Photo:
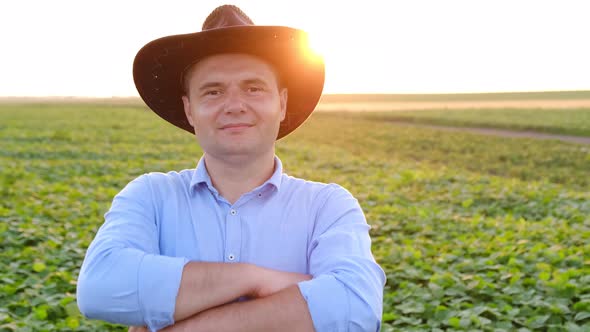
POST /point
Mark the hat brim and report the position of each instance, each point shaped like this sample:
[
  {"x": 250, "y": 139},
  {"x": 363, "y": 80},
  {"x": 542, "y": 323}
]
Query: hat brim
[{"x": 158, "y": 68}]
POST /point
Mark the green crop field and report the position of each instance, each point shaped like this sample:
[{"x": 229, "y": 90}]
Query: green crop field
[
  {"x": 474, "y": 232},
  {"x": 557, "y": 121}
]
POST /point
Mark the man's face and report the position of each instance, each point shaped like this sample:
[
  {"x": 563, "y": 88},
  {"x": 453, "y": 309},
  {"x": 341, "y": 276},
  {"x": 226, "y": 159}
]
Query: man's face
[{"x": 234, "y": 104}]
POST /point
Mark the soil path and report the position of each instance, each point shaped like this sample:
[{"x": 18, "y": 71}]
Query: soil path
[{"x": 504, "y": 132}]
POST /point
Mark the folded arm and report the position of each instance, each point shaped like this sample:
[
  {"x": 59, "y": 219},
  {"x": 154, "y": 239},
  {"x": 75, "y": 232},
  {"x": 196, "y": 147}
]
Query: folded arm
[
  {"x": 208, "y": 285},
  {"x": 285, "y": 310},
  {"x": 125, "y": 280},
  {"x": 346, "y": 292}
]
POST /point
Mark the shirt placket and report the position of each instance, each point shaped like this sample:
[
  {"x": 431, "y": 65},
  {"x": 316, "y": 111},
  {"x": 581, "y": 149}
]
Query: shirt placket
[{"x": 233, "y": 236}]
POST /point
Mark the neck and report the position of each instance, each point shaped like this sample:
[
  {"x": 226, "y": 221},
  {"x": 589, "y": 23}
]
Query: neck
[{"x": 235, "y": 176}]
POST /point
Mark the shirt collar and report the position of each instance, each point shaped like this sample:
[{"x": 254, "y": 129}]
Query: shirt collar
[
  {"x": 202, "y": 176},
  {"x": 277, "y": 175}
]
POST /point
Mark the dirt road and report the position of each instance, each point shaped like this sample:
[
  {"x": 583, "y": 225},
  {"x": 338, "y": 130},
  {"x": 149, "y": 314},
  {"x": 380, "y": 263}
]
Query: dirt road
[{"x": 504, "y": 132}]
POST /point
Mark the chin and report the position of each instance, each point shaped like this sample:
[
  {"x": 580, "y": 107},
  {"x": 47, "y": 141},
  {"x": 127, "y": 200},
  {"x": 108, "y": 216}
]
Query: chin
[{"x": 238, "y": 149}]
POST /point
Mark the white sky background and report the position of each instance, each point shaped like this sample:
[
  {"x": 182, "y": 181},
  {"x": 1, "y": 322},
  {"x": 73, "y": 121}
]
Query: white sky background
[{"x": 86, "y": 48}]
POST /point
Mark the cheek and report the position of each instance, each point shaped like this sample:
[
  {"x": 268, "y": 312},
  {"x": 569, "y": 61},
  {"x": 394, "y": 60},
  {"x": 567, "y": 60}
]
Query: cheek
[
  {"x": 204, "y": 122},
  {"x": 207, "y": 110},
  {"x": 270, "y": 108}
]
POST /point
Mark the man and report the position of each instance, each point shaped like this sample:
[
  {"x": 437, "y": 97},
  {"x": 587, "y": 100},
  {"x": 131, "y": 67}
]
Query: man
[{"x": 235, "y": 244}]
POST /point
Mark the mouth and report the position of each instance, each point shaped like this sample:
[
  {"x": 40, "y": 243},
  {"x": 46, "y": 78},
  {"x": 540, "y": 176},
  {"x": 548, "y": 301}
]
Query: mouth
[{"x": 236, "y": 126}]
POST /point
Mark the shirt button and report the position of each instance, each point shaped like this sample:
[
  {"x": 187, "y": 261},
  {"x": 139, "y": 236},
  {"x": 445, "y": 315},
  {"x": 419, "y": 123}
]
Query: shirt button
[
  {"x": 233, "y": 212},
  {"x": 231, "y": 257}
]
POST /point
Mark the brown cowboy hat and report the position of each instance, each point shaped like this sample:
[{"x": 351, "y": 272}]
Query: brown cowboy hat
[{"x": 159, "y": 66}]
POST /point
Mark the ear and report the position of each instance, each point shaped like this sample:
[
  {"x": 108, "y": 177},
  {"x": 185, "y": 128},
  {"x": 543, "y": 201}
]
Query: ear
[
  {"x": 187, "y": 110},
  {"x": 283, "y": 95}
]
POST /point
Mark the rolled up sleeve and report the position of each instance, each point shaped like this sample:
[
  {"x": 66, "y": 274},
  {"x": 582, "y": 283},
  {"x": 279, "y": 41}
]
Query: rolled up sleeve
[
  {"x": 346, "y": 292},
  {"x": 123, "y": 278}
]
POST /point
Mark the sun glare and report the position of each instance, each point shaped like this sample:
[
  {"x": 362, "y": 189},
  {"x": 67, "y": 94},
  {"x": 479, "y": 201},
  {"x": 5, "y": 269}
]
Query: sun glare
[
  {"x": 315, "y": 46},
  {"x": 413, "y": 47}
]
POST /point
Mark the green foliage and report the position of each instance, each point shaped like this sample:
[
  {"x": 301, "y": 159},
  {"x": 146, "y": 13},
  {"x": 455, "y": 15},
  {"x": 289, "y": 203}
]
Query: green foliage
[
  {"x": 557, "y": 121},
  {"x": 473, "y": 232}
]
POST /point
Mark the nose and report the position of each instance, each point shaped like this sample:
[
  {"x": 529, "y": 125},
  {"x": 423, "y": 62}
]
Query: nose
[{"x": 234, "y": 102}]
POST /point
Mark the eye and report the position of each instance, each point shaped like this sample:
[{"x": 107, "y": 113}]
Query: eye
[
  {"x": 255, "y": 89},
  {"x": 212, "y": 93}
]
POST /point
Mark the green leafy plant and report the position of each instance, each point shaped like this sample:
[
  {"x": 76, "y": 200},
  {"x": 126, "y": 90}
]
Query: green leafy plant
[{"x": 474, "y": 233}]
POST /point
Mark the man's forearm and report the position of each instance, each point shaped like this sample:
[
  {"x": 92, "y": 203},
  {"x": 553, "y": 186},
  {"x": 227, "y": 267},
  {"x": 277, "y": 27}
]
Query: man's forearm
[
  {"x": 285, "y": 310},
  {"x": 207, "y": 285}
]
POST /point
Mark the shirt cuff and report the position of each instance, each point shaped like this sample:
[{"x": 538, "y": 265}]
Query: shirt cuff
[
  {"x": 327, "y": 301},
  {"x": 159, "y": 280}
]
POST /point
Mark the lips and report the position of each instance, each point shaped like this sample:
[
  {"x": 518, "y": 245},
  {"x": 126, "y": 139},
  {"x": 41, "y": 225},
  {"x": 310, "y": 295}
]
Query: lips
[{"x": 236, "y": 125}]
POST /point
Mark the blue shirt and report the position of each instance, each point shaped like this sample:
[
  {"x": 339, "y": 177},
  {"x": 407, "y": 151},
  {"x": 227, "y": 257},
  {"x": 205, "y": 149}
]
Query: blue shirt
[{"x": 159, "y": 222}]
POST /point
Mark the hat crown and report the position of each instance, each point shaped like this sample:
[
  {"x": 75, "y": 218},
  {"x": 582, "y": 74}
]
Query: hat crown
[{"x": 226, "y": 16}]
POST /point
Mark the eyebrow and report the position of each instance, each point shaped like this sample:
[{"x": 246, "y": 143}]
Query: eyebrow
[
  {"x": 209, "y": 85},
  {"x": 254, "y": 81}
]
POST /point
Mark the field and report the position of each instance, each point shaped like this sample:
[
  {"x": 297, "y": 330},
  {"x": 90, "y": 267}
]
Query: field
[
  {"x": 474, "y": 232},
  {"x": 564, "y": 121},
  {"x": 566, "y": 112}
]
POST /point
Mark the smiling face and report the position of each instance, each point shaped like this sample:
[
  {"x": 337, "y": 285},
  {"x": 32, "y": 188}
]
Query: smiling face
[{"x": 234, "y": 103}]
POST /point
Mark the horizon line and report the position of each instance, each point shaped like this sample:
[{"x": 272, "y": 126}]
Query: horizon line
[{"x": 323, "y": 94}]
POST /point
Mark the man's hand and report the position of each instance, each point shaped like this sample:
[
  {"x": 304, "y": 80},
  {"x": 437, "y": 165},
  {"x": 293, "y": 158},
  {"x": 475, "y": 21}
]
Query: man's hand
[{"x": 273, "y": 281}]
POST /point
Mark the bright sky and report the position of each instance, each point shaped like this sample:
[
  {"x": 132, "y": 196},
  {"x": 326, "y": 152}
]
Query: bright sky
[{"x": 86, "y": 48}]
